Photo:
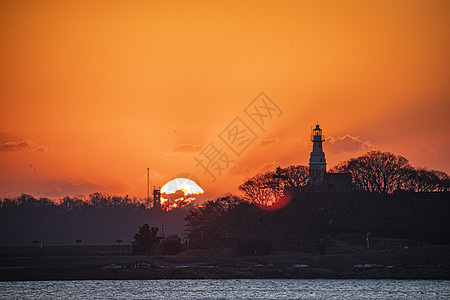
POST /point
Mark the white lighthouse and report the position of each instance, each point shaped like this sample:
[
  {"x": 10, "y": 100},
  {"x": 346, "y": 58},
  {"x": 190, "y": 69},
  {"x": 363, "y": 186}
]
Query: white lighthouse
[{"x": 317, "y": 162}]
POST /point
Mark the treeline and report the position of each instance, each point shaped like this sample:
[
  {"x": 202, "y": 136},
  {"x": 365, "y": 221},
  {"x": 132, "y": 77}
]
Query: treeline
[
  {"x": 373, "y": 172},
  {"x": 95, "y": 200},
  {"x": 100, "y": 219}
]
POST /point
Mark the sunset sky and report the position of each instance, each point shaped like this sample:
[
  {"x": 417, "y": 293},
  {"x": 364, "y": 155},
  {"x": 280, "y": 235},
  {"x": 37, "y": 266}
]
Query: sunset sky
[{"x": 94, "y": 92}]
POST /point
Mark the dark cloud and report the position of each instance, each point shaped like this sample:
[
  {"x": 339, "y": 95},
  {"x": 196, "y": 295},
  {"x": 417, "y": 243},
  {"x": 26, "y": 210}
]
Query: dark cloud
[
  {"x": 25, "y": 145},
  {"x": 174, "y": 196},
  {"x": 86, "y": 188},
  {"x": 347, "y": 143},
  {"x": 15, "y": 146},
  {"x": 180, "y": 198},
  {"x": 186, "y": 148}
]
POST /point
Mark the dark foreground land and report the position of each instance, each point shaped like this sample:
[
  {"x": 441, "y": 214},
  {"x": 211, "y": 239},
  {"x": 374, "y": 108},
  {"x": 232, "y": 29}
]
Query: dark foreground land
[
  {"x": 428, "y": 262},
  {"x": 315, "y": 235}
]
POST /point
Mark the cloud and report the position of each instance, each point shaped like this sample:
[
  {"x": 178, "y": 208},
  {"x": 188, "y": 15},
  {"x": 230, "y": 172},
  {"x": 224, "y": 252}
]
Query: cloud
[
  {"x": 174, "y": 196},
  {"x": 186, "y": 148},
  {"x": 11, "y": 143},
  {"x": 180, "y": 198},
  {"x": 73, "y": 188},
  {"x": 24, "y": 145},
  {"x": 348, "y": 143},
  {"x": 268, "y": 141}
]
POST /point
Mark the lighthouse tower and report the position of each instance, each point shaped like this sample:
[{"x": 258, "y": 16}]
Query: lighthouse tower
[{"x": 317, "y": 162}]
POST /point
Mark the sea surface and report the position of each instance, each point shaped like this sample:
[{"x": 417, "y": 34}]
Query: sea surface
[{"x": 227, "y": 289}]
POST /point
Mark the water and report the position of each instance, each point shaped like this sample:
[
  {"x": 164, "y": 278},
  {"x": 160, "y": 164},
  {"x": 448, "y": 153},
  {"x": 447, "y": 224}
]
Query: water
[{"x": 227, "y": 289}]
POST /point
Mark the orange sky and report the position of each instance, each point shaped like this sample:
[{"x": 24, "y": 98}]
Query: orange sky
[{"x": 94, "y": 92}]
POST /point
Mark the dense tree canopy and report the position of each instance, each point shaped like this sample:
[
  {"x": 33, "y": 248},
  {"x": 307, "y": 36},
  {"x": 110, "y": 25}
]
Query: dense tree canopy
[
  {"x": 213, "y": 218},
  {"x": 145, "y": 240}
]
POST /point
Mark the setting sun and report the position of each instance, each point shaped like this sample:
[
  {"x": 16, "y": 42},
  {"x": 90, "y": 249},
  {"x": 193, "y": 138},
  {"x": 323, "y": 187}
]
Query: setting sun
[{"x": 180, "y": 192}]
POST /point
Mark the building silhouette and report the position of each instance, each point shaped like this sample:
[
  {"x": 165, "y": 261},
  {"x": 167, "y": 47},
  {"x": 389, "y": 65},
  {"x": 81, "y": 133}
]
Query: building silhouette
[
  {"x": 156, "y": 198},
  {"x": 319, "y": 180}
]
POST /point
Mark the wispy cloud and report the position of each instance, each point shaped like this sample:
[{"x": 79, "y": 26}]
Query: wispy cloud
[
  {"x": 348, "y": 143},
  {"x": 264, "y": 142},
  {"x": 186, "y": 148}
]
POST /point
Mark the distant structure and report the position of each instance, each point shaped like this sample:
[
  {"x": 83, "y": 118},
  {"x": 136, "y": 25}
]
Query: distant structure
[
  {"x": 319, "y": 179},
  {"x": 156, "y": 198},
  {"x": 317, "y": 161},
  {"x": 148, "y": 185}
]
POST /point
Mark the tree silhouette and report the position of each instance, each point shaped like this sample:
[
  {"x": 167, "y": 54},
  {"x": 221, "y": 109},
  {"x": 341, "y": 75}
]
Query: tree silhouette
[
  {"x": 267, "y": 188},
  {"x": 423, "y": 180},
  {"x": 376, "y": 171},
  {"x": 293, "y": 176},
  {"x": 213, "y": 218},
  {"x": 145, "y": 240},
  {"x": 444, "y": 181},
  {"x": 262, "y": 189},
  {"x": 69, "y": 204}
]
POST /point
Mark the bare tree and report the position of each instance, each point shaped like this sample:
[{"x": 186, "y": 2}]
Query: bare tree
[
  {"x": 262, "y": 189},
  {"x": 267, "y": 188},
  {"x": 376, "y": 171},
  {"x": 293, "y": 176},
  {"x": 444, "y": 181},
  {"x": 424, "y": 180}
]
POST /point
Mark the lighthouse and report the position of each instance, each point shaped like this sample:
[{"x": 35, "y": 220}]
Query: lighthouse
[{"x": 317, "y": 162}]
